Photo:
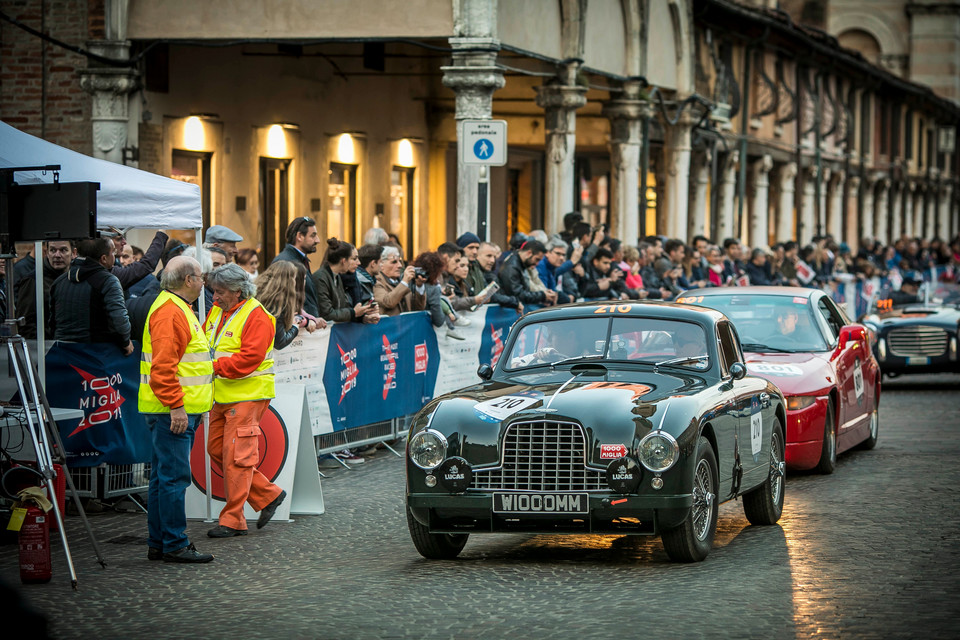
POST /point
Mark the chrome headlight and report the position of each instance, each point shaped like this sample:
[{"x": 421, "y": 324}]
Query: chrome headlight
[
  {"x": 953, "y": 348},
  {"x": 658, "y": 451},
  {"x": 427, "y": 449}
]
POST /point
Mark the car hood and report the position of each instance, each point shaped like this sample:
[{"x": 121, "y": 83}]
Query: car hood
[
  {"x": 946, "y": 317},
  {"x": 794, "y": 373},
  {"x": 616, "y": 408}
]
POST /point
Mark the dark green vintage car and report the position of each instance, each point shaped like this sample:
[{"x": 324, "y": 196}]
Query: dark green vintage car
[{"x": 633, "y": 418}]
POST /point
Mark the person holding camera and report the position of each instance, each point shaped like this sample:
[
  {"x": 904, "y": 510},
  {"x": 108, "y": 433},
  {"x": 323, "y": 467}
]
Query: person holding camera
[
  {"x": 603, "y": 281},
  {"x": 332, "y": 299},
  {"x": 398, "y": 289}
]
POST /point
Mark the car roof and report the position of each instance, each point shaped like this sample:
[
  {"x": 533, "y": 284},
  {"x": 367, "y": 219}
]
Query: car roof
[
  {"x": 797, "y": 292},
  {"x": 671, "y": 310}
]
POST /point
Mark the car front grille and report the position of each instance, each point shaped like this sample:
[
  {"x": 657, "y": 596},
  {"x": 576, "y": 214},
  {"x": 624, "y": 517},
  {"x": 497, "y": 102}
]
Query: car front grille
[
  {"x": 917, "y": 340},
  {"x": 541, "y": 456}
]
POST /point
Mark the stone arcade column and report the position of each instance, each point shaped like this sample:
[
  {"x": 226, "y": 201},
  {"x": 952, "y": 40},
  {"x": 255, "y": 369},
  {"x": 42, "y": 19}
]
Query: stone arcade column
[
  {"x": 867, "y": 205},
  {"x": 473, "y": 77},
  {"x": 624, "y": 114},
  {"x": 759, "y": 198},
  {"x": 699, "y": 180},
  {"x": 820, "y": 219},
  {"x": 896, "y": 211},
  {"x": 943, "y": 217},
  {"x": 728, "y": 189},
  {"x": 834, "y": 224},
  {"x": 918, "y": 195},
  {"x": 676, "y": 152},
  {"x": 908, "y": 189},
  {"x": 110, "y": 87},
  {"x": 808, "y": 215},
  {"x": 786, "y": 199},
  {"x": 880, "y": 227},
  {"x": 852, "y": 227},
  {"x": 930, "y": 206},
  {"x": 560, "y": 99}
]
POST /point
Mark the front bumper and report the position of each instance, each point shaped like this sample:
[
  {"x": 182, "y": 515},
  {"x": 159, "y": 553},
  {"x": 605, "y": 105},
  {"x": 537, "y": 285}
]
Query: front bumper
[{"x": 607, "y": 512}]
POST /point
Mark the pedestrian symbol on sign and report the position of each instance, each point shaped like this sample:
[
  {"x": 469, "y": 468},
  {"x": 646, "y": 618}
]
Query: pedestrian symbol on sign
[{"x": 483, "y": 148}]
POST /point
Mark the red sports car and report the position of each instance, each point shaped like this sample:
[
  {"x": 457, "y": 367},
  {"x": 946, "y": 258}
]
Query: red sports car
[{"x": 800, "y": 340}]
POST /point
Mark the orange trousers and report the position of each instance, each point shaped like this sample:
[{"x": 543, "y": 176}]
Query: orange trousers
[{"x": 234, "y": 445}]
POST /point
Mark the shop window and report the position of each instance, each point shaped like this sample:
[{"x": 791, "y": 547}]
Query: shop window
[
  {"x": 274, "y": 204},
  {"x": 342, "y": 198},
  {"x": 593, "y": 189},
  {"x": 194, "y": 167},
  {"x": 401, "y": 207}
]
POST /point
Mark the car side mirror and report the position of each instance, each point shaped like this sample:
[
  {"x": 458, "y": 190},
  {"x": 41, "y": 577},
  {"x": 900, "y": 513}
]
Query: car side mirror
[
  {"x": 848, "y": 333},
  {"x": 738, "y": 370},
  {"x": 485, "y": 371}
]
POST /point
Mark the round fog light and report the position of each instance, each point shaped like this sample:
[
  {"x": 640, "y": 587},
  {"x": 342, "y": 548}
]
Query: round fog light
[
  {"x": 657, "y": 483},
  {"x": 430, "y": 481},
  {"x": 455, "y": 474}
]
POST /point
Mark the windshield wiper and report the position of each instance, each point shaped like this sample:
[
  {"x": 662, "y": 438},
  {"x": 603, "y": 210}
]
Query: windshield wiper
[
  {"x": 756, "y": 347},
  {"x": 595, "y": 356},
  {"x": 681, "y": 360}
]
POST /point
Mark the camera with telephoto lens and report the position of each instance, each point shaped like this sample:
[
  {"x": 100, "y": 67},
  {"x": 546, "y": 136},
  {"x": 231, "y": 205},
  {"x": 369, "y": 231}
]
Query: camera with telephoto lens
[{"x": 420, "y": 272}]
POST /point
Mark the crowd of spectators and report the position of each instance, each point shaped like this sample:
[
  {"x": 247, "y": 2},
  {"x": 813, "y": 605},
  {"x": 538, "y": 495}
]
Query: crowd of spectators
[{"x": 101, "y": 289}]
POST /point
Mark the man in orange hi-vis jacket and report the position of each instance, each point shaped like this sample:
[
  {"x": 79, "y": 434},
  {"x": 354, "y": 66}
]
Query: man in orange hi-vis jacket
[{"x": 240, "y": 332}]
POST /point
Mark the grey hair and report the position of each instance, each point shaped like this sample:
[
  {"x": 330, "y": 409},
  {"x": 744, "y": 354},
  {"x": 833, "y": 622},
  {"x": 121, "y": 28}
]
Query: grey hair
[
  {"x": 556, "y": 243},
  {"x": 375, "y": 235},
  {"x": 232, "y": 277},
  {"x": 538, "y": 234},
  {"x": 389, "y": 251}
]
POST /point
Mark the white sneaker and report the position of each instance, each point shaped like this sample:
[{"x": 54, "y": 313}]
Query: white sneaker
[
  {"x": 462, "y": 322},
  {"x": 451, "y": 333}
]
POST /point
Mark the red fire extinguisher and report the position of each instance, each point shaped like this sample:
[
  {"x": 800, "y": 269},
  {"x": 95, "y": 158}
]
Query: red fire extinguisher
[{"x": 35, "y": 563}]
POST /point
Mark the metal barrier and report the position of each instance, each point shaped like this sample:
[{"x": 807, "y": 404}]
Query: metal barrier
[{"x": 364, "y": 435}]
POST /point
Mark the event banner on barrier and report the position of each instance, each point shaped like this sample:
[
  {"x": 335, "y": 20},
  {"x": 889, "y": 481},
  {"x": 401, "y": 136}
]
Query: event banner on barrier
[
  {"x": 378, "y": 372},
  {"x": 103, "y": 383}
]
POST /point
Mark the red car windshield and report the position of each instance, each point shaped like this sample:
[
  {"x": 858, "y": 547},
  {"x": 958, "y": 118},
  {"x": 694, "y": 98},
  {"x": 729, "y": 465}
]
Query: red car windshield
[{"x": 779, "y": 323}]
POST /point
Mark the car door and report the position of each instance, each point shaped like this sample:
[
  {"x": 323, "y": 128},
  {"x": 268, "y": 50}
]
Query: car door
[
  {"x": 847, "y": 360},
  {"x": 753, "y": 412}
]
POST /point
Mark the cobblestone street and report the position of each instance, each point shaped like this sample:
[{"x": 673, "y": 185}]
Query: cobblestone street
[{"x": 869, "y": 552}]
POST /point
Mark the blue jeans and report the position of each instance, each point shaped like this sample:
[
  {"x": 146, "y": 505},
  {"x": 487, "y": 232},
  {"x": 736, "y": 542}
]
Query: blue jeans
[{"x": 169, "y": 478}]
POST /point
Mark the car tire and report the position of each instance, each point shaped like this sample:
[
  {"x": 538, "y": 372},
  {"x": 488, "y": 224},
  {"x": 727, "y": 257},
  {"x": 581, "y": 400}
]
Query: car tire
[
  {"x": 764, "y": 505},
  {"x": 828, "y": 452},
  {"x": 871, "y": 440},
  {"x": 693, "y": 539},
  {"x": 435, "y": 546}
]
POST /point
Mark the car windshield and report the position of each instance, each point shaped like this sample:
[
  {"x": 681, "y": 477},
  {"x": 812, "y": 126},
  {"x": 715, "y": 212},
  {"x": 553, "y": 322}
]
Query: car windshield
[
  {"x": 573, "y": 340},
  {"x": 775, "y": 323},
  {"x": 894, "y": 303}
]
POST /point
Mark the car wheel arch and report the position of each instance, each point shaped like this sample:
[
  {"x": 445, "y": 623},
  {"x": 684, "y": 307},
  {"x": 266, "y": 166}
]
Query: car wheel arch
[
  {"x": 835, "y": 402},
  {"x": 707, "y": 432}
]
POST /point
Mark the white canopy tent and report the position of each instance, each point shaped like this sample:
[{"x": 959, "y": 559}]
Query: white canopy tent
[{"x": 127, "y": 198}]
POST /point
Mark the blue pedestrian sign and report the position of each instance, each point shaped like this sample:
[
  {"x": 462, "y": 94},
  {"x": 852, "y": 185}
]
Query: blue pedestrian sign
[
  {"x": 483, "y": 142},
  {"x": 483, "y": 148}
]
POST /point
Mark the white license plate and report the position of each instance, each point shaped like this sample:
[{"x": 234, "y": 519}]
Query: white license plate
[
  {"x": 918, "y": 360},
  {"x": 541, "y": 502}
]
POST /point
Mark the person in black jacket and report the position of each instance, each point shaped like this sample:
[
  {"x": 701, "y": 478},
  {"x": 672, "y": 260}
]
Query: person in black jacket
[
  {"x": 302, "y": 240},
  {"x": 604, "y": 282},
  {"x": 56, "y": 260},
  {"x": 512, "y": 282},
  {"x": 87, "y": 301},
  {"x": 332, "y": 299},
  {"x": 139, "y": 269},
  {"x": 760, "y": 271}
]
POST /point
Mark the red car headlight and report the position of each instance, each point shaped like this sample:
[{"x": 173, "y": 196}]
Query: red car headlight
[{"x": 796, "y": 403}]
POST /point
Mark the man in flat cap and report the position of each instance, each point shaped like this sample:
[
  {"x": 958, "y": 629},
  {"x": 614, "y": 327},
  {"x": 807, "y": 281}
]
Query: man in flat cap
[{"x": 225, "y": 238}]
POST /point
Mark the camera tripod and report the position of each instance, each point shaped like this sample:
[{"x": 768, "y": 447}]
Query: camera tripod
[{"x": 44, "y": 433}]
